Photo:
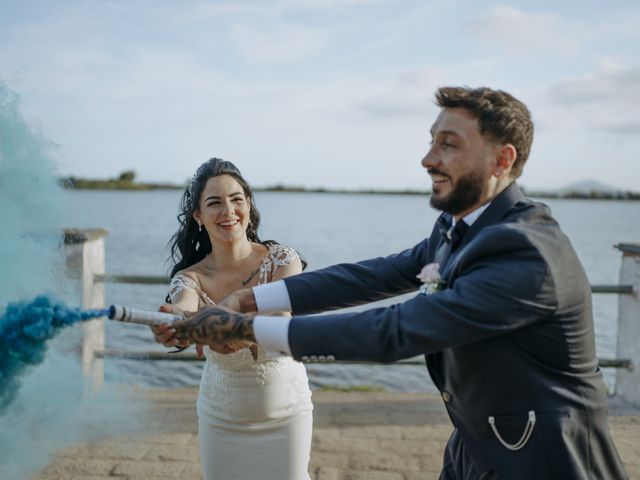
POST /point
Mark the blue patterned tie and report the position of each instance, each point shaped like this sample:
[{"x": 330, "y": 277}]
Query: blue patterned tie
[
  {"x": 451, "y": 237},
  {"x": 455, "y": 234}
]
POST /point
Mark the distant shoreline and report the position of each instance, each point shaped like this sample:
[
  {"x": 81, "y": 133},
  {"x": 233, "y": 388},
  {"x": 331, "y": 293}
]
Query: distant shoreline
[{"x": 72, "y": 183}]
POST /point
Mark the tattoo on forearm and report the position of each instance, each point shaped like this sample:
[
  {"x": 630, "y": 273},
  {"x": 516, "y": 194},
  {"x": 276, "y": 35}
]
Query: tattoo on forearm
[{"x": 216, "y": 326}]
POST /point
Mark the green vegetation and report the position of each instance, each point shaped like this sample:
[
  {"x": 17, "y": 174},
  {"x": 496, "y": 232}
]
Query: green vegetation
[
  {"x": 124, "y": 181},
  {"x": 590, "y": 195},
  {"x": 296, "y": 189},
  {"x": 586, "y": 195}
]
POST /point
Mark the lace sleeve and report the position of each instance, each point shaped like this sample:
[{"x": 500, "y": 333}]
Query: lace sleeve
[
  {"x": 181, "y": 282},
  {"x": 281, "y": 255}
]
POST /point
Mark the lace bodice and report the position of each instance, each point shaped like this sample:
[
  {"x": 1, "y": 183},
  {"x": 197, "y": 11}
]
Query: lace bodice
[
  {"x": 277, "y": 256},
  {"x": 223, "y": 369}
]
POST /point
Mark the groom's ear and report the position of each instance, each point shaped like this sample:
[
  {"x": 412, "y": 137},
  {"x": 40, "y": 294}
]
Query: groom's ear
[{"x": 506, "y": 155}]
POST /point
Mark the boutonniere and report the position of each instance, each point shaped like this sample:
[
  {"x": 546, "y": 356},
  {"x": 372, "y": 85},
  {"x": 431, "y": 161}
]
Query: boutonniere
[{"x": 431, "y": 279}]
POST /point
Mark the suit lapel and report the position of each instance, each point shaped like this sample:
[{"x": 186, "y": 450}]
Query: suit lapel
[{"x": 495, "y": 212}]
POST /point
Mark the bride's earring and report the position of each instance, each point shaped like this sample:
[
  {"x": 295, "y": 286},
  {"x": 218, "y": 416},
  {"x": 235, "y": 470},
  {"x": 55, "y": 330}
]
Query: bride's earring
[{"x": 199, "y": 230}]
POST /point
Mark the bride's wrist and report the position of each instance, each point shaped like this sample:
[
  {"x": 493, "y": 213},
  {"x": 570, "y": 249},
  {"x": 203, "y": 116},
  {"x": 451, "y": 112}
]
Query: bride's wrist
[{"x": 247, "y": 301}]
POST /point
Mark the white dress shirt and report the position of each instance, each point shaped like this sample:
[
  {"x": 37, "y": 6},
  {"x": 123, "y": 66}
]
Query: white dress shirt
[{"x": 273, "y": 332}]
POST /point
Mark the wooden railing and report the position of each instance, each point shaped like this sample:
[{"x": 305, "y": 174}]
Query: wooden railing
[{"x": 85, "y": 263}]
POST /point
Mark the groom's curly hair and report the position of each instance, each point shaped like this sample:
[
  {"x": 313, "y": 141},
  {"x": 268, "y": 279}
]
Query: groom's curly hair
[{"x": 502, "y": 117}]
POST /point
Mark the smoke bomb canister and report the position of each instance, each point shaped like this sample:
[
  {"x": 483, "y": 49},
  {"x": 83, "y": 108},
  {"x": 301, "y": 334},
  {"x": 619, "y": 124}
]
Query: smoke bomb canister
[{"x": 142, "y": 317}]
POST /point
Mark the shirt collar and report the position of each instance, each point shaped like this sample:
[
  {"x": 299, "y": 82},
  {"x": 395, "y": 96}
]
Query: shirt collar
[{"x": 473, "y": 216}]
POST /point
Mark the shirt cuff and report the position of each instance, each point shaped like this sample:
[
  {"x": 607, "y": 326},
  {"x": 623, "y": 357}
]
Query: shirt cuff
[
  {"x": 272, "y": 333},
  {"x": 272, "y": 297}
]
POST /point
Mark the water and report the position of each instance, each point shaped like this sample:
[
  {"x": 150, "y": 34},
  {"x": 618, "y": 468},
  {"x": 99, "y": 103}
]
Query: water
[{"x": 326, "y": 229}]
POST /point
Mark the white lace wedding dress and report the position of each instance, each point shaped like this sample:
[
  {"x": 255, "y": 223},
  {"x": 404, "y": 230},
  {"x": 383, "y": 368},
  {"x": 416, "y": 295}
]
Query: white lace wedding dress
[{"x": 254, "y": 415}]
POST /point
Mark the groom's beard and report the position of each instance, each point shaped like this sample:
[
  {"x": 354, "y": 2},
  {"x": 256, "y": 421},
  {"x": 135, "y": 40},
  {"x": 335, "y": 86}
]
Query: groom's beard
[{"x": 466, "y": 194}]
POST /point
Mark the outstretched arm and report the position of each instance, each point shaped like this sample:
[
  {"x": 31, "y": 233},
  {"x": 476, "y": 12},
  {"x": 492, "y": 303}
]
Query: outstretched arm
[
  {"x": 183, "y": 301},
  {"x": 240, "y": 301},
  {"x": 338, "y": 286},
  {"x": 215, "y": 325}
]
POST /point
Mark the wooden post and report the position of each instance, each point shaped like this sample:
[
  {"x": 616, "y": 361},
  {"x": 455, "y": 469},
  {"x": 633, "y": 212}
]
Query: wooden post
[
  {"x": 628, "y": 380},
  {"x": 84, "y": 254}
]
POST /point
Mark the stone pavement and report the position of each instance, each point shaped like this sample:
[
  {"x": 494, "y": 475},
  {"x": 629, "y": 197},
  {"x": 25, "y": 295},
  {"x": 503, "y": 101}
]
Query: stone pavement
[{"x": 357, "y": 436}]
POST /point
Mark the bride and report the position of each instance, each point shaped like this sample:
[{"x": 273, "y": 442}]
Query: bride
[{"x": 254, "y": 411}]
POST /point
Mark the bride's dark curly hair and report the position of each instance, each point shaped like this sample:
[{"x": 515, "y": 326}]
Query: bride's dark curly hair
[{"x": 189, "y": 245}]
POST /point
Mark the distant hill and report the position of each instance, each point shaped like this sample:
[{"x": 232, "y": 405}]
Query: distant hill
[
  {"x": 586, "y": 189},
  {"x": 588, "y": 186}
]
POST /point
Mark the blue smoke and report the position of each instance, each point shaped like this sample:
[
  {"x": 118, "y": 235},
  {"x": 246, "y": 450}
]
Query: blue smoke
[
  {"x": 44, "y": 404},
  {"x": 30, "y": 206},
  {"x": 25, "y": 329}
]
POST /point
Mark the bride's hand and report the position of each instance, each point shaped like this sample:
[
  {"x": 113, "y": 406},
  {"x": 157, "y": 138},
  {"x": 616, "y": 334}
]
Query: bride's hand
[
  {"x": 239, "y": 344},
  {"x": 224, "y": 349},
  {"x": 232, "y": 346},
  {"x": 240, "y": 301},
  {"x": 164, "y": 334}
]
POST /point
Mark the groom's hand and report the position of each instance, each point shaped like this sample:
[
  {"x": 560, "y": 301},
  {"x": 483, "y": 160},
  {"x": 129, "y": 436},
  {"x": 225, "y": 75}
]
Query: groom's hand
[
  {"x": 215, "y": 325},
  {"x": 240, "y": 301}
]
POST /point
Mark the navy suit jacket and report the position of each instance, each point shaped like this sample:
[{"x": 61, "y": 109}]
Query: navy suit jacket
[{"x": 511, "y": 333}]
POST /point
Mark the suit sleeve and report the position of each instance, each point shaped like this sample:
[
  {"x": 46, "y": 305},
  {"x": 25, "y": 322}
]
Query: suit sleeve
[
  {"x": 350, "y": 284},
  {"x": 502, "y": 284}
]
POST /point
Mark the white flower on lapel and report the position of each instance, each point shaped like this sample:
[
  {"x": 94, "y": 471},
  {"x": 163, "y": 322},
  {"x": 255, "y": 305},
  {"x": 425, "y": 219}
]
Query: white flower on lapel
[{"x": 431, "y": 279}]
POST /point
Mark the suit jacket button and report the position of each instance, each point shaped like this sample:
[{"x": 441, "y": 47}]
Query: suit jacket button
[
  {"x": 304, "y": 358},
  {"x": 313, "y": 358},
  {"x": 331, "y": 358},
  {"x": 322, "y": 358},
  {"x": 446, "y": 396}
]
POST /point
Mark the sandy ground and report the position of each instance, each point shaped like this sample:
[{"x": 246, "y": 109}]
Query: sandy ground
[{"x": 357, "y": 436}]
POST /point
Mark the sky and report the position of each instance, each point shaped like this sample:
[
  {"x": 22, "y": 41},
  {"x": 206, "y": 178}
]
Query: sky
[{"x": 320, "y": 93}]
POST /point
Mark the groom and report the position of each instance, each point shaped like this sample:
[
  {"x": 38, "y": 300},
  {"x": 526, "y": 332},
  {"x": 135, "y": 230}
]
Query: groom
[{"x": 508, "y": 333}]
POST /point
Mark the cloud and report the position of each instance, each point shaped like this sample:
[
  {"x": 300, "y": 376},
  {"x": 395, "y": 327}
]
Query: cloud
[
  {"x": 520, "y": 32},
  {"x": 616, "y": 87},
  {"x": 284, "y": 43},
  {"x": 632, "y": 127},
  {"x": 157, "y": 86},
  {"x": 407, "y": 94},
  {"x": 623, "y": 25},
  {"x": 327, "y": 4},
  {"x": 410, "y": 93},
  {"x": 261, "y": 9}
]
